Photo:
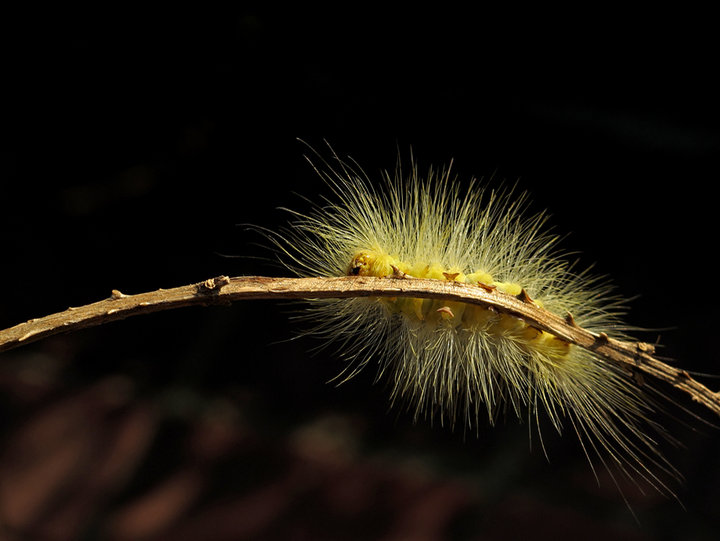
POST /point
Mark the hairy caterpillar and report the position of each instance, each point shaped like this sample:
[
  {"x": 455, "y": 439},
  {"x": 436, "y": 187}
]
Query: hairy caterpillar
[{"x": 458, "y": 362}]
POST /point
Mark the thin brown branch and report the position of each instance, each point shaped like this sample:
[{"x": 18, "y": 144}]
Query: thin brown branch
[{"x": 633, "y": 356}]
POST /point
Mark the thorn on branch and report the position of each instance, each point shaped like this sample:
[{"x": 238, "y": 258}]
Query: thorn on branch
[
  {"x": 524, "y": 297},
  {"x": 116, "y": 294},
  {"x": 601, "y": 339},
  {"x": 397, "y": 273},
  {"x": 212, "y": 285},
  {"x": 487, "y": 287}
]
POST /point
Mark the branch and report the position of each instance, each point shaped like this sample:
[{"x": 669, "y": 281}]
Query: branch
[{"x": 223, "y": 290}]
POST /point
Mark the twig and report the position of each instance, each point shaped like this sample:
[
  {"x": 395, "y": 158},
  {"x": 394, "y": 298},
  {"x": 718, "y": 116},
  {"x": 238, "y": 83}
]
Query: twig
[{"x": 223, "y": 290}]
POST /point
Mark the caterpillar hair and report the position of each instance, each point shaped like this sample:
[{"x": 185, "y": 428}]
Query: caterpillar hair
[{"x": 459, "y": 363}]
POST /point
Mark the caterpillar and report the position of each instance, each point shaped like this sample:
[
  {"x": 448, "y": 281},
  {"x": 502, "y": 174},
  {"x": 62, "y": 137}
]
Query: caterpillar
[{"x": 465, "y": 364}]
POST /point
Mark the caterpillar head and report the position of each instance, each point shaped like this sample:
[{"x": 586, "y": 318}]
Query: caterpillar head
[
  {"x": 371, "y": 263},
  {"x": 361, "y": 264}
]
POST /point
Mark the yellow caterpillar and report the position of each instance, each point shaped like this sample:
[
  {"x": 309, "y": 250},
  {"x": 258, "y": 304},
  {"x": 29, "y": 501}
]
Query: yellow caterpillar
[{"x": 456, "y": 362}]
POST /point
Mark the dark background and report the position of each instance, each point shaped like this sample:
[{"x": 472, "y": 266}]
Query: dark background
[{"x": 135, "y": 143}]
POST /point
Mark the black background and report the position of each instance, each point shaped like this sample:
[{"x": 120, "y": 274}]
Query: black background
[{"x": 134, "y": 143}]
